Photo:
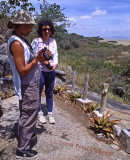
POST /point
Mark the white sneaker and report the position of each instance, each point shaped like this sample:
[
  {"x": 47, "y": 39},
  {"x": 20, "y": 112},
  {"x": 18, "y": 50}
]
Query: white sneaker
[
  {"x": 51, "y": 119},
  {"x": 41, "y": 119}
]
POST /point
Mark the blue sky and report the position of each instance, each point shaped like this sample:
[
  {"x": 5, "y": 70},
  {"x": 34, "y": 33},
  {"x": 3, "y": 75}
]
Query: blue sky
[{"x": 104, "y": 18}]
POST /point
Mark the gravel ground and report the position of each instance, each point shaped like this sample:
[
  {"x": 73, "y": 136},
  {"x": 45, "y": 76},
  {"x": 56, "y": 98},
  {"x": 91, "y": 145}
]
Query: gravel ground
[{"x": 69, "y": 139}]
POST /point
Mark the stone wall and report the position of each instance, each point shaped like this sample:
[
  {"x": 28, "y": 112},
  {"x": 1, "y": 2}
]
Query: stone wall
[
  {"x": 6, "y": 87},
  {"x": 6, "y": 83},
  {"x": 5, "y": 69}
]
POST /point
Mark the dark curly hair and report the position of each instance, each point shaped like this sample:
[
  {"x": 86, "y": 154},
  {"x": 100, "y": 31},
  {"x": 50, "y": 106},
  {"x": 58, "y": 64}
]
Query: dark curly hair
[{"x": 45, "y": 22}]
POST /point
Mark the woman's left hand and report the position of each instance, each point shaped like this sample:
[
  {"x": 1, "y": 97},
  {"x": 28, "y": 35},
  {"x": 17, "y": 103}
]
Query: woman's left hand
[
  {"x": 48, "y": 53},
  {"x": 54, "y": 66}
]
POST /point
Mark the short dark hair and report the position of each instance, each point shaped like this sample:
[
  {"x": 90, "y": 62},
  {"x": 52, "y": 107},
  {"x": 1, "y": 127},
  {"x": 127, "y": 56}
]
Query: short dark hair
[{"x": 45, "y": 22}]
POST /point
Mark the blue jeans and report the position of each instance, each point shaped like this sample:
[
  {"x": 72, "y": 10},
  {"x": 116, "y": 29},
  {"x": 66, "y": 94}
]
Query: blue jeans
[{"x": 47, "y": 79}]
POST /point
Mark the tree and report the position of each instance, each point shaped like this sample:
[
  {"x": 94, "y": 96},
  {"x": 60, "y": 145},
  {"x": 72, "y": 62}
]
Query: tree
[
  {"x": 52, "y": 12},
  {"x": 7, "y": 10},
  {"x": 9, "y": 7},
  {"x": 55, "y": 13}
]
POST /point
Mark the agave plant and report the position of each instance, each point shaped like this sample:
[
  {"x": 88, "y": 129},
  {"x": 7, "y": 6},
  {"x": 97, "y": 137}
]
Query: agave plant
[
  {"x": 74, "y": 95},
  {"x": 58, "y": 89},
  {"x": 90, "y": 107},
  {"x": 104, "y": 125}
]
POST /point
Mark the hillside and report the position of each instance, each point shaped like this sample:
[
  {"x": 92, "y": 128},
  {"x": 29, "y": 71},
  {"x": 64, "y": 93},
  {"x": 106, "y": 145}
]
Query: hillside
[{"x": 103, "y": 61}]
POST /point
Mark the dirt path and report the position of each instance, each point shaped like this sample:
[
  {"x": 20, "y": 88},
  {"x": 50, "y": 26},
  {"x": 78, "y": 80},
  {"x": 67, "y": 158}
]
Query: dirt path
[{"x": 69, "y": 139}]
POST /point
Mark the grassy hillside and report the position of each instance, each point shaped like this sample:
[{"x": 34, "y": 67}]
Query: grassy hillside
[{"x": 104, "y": 61}]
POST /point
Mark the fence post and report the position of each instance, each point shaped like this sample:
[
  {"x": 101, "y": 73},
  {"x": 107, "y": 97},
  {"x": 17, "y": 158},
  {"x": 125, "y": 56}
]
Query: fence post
[
  {"x": 85, "y": 87},
  {"x": 73, "y": 81},
  {"x": 104, "y": 97}
]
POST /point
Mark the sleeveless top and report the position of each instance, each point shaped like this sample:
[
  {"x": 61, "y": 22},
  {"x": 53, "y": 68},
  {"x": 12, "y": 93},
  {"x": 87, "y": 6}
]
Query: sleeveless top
[
  {"x": 32, "y": 76},
  {"x": 51, "y": 45}
]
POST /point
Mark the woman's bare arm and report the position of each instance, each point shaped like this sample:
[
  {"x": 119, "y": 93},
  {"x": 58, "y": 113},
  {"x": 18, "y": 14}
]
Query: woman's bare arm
[{"x": 17, "y": 51}]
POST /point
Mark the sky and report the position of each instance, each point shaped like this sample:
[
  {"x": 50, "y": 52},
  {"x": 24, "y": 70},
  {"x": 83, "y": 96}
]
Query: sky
[{"x": 90, "y": 18}]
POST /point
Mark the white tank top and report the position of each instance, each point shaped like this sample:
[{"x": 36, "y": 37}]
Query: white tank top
[{"x": 31, "y": 77}]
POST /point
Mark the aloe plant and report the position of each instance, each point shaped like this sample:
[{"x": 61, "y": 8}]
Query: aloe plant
[
  {"x": 104, "y": 125},
  {"x": 90, "y": 107},
  {"x": 74, "y": 95},
  {"x": 58, "y": 89}
]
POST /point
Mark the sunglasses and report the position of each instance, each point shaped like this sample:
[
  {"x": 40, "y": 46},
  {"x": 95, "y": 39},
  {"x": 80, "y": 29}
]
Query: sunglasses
[{"x": 45, "y": 29}]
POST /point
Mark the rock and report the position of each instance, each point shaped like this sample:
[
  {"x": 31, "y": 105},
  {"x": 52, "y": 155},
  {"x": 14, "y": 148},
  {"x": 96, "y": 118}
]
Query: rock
[
  {"x": 1, "y": 112},
  {"x": 125, "y": 139},
  {"x": 3, "y": 49},
  {"x": 117, "y": 130},
  {"x": 67, "y": 81},
  {"x": 120, "y": 91},
  {"x": 6, "y": 87},
  {"x": 5, "y": 68},
  {"x": 69, "y": 69},
  {"x": 66, "y": 101},
  {"x": 58, "y": 81},
  {"x": 60, "y": 73},
  {"x": 100, "y": 135},
  {"x": 114, "y": 146}
]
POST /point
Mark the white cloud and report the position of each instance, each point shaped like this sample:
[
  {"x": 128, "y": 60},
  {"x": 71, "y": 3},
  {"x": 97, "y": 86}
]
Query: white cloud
[
  {"x": 72, "y": 19},
  {"x": 99, "y": 12},
  {"x": 86, "y": 17}
]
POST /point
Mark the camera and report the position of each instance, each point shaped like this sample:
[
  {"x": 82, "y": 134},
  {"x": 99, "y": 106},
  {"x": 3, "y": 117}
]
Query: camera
[{"x": 47, "y": 58}]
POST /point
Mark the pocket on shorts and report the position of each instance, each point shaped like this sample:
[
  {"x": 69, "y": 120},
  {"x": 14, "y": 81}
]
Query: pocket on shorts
[{"x": 30, "y": 96}]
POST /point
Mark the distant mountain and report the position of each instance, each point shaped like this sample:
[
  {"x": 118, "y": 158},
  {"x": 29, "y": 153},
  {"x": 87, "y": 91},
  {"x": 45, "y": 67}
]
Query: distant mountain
[{"x": 117, "y": 37}]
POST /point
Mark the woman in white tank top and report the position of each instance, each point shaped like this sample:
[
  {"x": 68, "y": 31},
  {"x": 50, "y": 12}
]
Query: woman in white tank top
[{"x": 26, "y": 77}]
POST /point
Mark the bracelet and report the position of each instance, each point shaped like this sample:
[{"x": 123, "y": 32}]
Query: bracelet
[{"x": 33, "y": 63}]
